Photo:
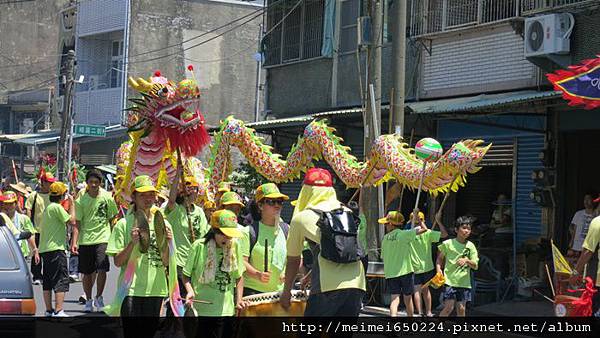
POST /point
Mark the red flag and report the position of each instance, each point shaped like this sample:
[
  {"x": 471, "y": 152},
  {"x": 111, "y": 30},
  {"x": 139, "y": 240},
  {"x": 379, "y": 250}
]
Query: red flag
[
  {"x": 42, "y": 172},
  {"x": 74, "y": 176}
]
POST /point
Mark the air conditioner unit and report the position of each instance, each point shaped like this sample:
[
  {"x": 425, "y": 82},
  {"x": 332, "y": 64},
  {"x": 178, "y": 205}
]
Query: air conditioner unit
[
  {"x": 93, "y": 82},
  {"x": 548, "y": 34}
]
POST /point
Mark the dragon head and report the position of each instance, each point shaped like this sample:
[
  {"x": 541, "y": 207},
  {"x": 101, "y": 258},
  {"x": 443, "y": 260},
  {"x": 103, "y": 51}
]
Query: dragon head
[{"x": 172, "y": 109}]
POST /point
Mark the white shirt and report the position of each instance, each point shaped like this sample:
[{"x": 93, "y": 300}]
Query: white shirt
[{"x": 581, "y": 220}]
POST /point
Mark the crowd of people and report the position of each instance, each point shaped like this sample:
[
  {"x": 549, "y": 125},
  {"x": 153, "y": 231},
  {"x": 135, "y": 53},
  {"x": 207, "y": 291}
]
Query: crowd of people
[{"x": 223, "y": 254}]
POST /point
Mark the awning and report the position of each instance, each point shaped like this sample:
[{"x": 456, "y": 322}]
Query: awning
[
  {"x": 108, "y": 168},
  {"x": 14, "y": 137},
  {"x": 303, "y": 119},
  {"x": 480, "y": 102},
  {"x": 52, "y": 137}
]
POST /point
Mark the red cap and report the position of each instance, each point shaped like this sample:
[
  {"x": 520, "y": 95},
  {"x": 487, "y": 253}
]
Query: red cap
[
  {"x": 318, "y": 177},
  {"x": 2, "y": 198},
  {"x": 48, "y": 177},
  {"x": 597, "y": 200}
]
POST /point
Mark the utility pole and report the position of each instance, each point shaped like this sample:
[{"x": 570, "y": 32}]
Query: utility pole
[
  {"x": 66, "y": 125},
  {"x": 258, "y": 73},
  {"x": 373, "y": 123},
  {"x": 398, "y": 64}
]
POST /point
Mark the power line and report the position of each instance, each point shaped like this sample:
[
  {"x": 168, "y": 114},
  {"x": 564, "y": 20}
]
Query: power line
[
  {"x": 261, "y": 10},
  {"x": 28, "y": 76}
]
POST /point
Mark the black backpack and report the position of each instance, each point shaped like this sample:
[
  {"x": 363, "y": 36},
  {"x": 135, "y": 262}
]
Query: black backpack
[
  {"x": 339, "y": 240},
  {"x": 253, "y": 231}
]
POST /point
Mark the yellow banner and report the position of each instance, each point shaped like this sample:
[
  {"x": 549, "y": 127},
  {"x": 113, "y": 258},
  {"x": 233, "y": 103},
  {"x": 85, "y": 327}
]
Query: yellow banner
[{"x": 560, "y": 263}]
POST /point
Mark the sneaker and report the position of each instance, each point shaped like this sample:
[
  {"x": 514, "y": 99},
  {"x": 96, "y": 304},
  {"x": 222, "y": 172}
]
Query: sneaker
[
  {"x": 49, "y": 313},
  {"x": 89, "y": 307},
  {"x": 99, "y": 303},
  {"x": 82, "y": 299},
  {"x": 60, "y": 313},
  {"x": 37, "y": 282},
  {"x": 74, "y": 278}
]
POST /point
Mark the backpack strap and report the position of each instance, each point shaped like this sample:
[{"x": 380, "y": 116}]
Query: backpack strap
[
  {"x": 253, "y": 231},
  {"x": 33, "y": 208}
]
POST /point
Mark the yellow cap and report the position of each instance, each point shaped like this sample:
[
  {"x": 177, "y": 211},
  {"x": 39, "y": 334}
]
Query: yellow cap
[
  {"x": 190, "y": 181},
  {"x": 209, "y": 205},
  {"x": 231, "y": 198},
  {"x": 421, "y": 216},
  {"x": 393, "y": 217},
  {"x": 269, "y": 190},
  {"x": 9, "y": 197},
  {"x": 224, "y": 186},
  {"x": 143, "y": 183},
  {"x": 226, "y": 221},
  {"x": 58, "y": 189}
]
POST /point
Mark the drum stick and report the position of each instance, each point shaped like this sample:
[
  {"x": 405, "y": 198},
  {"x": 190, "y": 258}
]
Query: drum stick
[
  {"x": 196, "y": 301},
  {"x": 550, "y": 280},
  {"x": 266, "y": 262},
  {"x": 543, "y": 295},
  {"x": 584, "y": 271}
]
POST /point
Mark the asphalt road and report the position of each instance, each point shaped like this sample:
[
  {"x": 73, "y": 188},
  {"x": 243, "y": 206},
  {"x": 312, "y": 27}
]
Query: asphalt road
[{"x": 71, "y": 305}]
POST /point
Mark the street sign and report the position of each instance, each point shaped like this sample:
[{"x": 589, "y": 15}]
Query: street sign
[{"x": 90, "y": 130}]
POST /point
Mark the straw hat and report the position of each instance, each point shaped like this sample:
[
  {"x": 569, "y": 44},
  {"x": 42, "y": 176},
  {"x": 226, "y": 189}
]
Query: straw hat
[{"x": 21, "y": 187}]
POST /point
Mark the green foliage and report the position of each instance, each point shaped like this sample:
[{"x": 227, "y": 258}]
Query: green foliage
[{"x": 246, "y": 178}]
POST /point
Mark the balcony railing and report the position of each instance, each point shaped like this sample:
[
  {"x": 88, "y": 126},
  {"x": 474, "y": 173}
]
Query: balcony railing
[
  {"x": 536, "y": 6},
  {"x": 434, "y": 16}
]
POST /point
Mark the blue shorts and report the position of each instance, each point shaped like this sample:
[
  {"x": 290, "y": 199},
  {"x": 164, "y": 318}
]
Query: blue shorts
[
  {"x": 458, "y": 294},
  {"x": 404, "y": 284}
]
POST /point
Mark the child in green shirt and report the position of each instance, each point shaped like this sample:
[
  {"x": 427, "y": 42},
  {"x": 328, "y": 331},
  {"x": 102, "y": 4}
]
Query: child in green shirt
[
  {"x": 397, "y": 266},
  {"x": 458, "y": 256}
]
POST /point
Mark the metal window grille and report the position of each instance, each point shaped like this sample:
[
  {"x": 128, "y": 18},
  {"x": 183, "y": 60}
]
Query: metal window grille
[
  {"x": 433, "y": 16},
  {"x": 350, "y": 10},
  {"x": 297, "y": 37},
  {"x": 536, "y": 6}
]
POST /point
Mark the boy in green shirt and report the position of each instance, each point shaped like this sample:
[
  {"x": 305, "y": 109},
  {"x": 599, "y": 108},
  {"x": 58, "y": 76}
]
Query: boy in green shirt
[
  {"x": 458, "y": 256},
  {"x": 95, "y": 209},
  {"x": 53, "y": 235},
  {"x": 422, "y": 261},
  {"x": 397, "y": 265}
]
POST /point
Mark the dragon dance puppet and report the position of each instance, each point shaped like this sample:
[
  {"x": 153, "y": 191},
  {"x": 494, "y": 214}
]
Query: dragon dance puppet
[{"x": 167, "y": 118}]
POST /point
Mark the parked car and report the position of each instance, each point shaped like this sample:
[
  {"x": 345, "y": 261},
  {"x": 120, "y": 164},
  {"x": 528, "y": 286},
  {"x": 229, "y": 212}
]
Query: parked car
[{"x": 16, "y": 292}]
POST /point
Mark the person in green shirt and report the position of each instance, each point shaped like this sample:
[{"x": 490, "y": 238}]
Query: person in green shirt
[
  {"x": 53, "y": 238},
  {"x": 214, "y": 273},
  {"x": 422, "y": 261},
  {"x": 182, "y": 213},
  {"x": 21, "y": 223},
  {"x": 95, "y": 209},
  {"x": 397, "y": 265},
  {"x": 34, "y": 205},
  {"x": 458, "y": 256},
  {"x": 265, "y": 266},
  {"x": 134, "y": 237}
]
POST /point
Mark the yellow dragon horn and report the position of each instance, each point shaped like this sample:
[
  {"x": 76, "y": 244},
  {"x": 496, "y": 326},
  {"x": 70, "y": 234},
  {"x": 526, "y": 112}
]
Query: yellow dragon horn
[{"x": 140, "y": 84}]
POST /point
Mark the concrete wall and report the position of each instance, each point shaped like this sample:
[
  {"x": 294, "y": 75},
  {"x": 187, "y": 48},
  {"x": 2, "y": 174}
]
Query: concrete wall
[
  {"x": 28, "y": 44},
  {"x": 225, "y": 67}
]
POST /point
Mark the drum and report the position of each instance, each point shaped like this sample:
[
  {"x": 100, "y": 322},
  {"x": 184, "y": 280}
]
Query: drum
[{"x": 267, "y": 305}]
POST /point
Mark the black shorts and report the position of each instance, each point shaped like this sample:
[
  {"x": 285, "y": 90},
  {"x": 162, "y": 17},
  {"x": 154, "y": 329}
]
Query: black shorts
[
  {"x": 337, "y": 303},
  {"x": 458, "y": 294},
  {"x": 424, "y": 277},
  {"x": 404, "y": 284},
  {"x": 92, "y": 258},
  {"x": 56, "y": 271}
]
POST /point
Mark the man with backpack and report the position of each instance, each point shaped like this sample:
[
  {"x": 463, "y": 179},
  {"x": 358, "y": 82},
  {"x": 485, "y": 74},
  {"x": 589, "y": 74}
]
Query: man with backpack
[
  {"x": 338, "y": 277},
  {"x": 35, "y": 205}
]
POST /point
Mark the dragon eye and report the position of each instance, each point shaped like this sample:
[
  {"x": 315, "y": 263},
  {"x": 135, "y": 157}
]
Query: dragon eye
[{"x": 163, "y": 92}]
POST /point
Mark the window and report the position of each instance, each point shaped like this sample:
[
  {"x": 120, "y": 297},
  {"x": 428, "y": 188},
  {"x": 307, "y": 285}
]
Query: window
[
  {"x": 116, "y": 64},
  {"x": 349, "y": 25},
  {"x": 295, "y": 31}
]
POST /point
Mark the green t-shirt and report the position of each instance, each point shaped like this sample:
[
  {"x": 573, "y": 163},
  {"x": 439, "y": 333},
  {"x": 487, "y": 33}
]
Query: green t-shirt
[
  {"x": 23, "y": 223},
  {"x": 591, "y": 242},
  {"x": 221, "y": 291},
  {"x": 41, "y": 202},
  {"x": 178, "y": 218},
  {"x": 458, "y": 276},
  {"x": 257, "y": 260},
  {"x": 94, "y": 215},
  {"x": 244, "y": 241},
  {"x": 420, "y": 251},
  {"x": 395, "y": 250},
  {"x": 53, "y": 230},
  {"x": 149, "y": 279}
]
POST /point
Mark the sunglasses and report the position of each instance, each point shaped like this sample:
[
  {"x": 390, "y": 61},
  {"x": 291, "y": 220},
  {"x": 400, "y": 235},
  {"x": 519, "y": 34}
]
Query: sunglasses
[{"x": 273, "y": 202}]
